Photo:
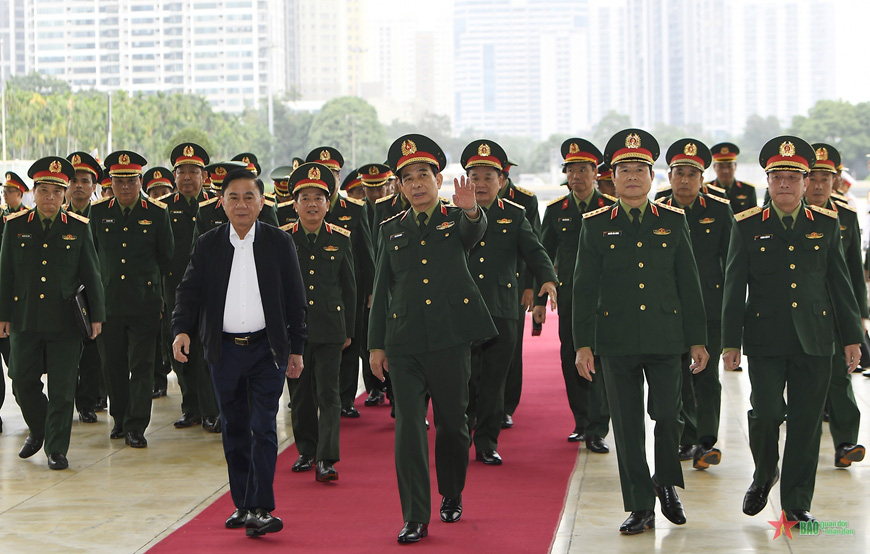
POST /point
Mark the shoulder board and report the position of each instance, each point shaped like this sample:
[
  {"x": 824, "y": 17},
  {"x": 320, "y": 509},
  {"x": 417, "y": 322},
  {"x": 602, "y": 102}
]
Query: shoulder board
[
  {"x": 385, "y": 198},
  {"x": 165, "y": 196},
  {"x": 611, "y": 198},
  {"x": 157, "y": 203},
  {"x": 446, "y": 201},
  {"x": 394, "y": 216},
  {"x": 708, "y": 183},
  {"x": 209, "y": 201},
  {"x": 825, "y": 211},
  {"x": 556, "y": 200},
  {"x": 845, "y": 206},
  {"x": 269, "y": 203},
  {"x": 596, "y": 212},
  {"x": 671, "y": 208},
  {"x": 288, "y": 227},
  {"x": 287, "y": 203},
  {"x": 339, "y": 229},
  {"x": 527, "y": 192},
  {"x": 663, "y": 188},
  {"x": 356, "y": 201},
  {"x": 718, "y": 199},
  {"x": 81, "y": 218},
  {"x": 717, "y": 189},
  {"x": 748, "y": 213},
  {"x": 65, "y": 206},
  {"x": 747, "y": 184},
  {"x": 101, "y": 200},
  {"x": 269, "y": 195},
  {"x": 512, "y": 203},
  {"x": 16, "y": 214}
]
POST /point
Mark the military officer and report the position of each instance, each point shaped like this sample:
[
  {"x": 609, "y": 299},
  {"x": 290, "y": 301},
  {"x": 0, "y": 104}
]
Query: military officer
[
  {"x": 106, "y": 187},
  {"x": 710, "y": 219},
  {"x": 352, "y": 186},
  {"x": 560, "y": 235},
  {"x": 198, "y": 402},
  {"x": 843, "y": 413},
  {"x": 47, "y": 253},
  {"x": 375, "y": 178},
  {"x": 326, "y": 261},
  {"x": 81, "y": 189},
  {"x": 426, "y": 311},
  {"x": 269, "y": 213},
  {"x": 350, "y": 214},
  {"x": 13, "y": 191},
  {"x": 284, "y": 204},
  {"x": 525, "y": 293},
  {"x": 640, "y": 309},
  {"x": 135, "y": 245},
  {"x": 790, "y": 256},
  {"x": 605, "y": 180},
  {"x": 493, "y": 263},
  {"x": 740, "y": 193},
  {"x": 158, "y": 182}
]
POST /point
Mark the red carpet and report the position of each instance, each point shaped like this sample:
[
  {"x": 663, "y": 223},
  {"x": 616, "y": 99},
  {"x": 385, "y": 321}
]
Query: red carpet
[{"x": 510, "y": 508}]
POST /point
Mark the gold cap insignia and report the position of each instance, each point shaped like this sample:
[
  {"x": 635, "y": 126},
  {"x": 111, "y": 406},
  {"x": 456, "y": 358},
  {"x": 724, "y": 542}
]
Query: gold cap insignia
[
  {"x": 484, "y": 150},
  {"x": 76, "y": 159},
  {"x": 246, "y": 160},
  {"x": 314, "y": 173},
  {"x": 632, "y": 141},
  {"x": 786, "y": 149},
  {"x": 8, "y": 176},
  {"x": 188, "y": 151},
  {"x": 324, "y": 155},
  {"x": 157, "y": 175},
  {"x": 295, "y": 164},
  {"x": 220, "y": 171},
  {"x": 573, "y": 149},
  {"x": 408, "y": 147},
  {"x": 124, "y": 159},
  {"x": 54, "y": 166},
  {"x": 724, "y": 150},
  {"x": 822, "y": 154},
  {"x": 373, "y": 170},
  {"x": 691, "y": 149}
]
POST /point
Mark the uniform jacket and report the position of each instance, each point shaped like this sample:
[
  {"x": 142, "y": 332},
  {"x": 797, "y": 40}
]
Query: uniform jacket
[
  {"x": 741, "y": 195},
  {"x": 529, "y": 201},
  {"x": 424, "y": 297},
  {"x": 850, "y": 235},
  {"x": 350, "y": 214},
  {"x": 182, "y": 219},
  {"x": 286, "y": 212}
]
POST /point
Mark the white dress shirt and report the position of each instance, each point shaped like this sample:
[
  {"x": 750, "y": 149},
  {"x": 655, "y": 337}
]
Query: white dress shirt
[{"x": 243, "y": 312}]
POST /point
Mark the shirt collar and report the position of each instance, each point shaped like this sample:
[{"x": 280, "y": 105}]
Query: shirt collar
[
  {"x": 249, "y": 236},
  {"x": 42, "y": 218},
  {"x": 628, "y": 208},
  {"x": 781, "y": 214},
  {"x": 428, "y": 212}
]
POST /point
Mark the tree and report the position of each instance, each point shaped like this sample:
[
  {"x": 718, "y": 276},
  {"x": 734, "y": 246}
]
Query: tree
[
  {"x": 843, "y": 125},
  {"x": 351, "y": 125},
  {"x": 188, "y": 134},
  {"x": 37, "y": 82},
  {"x": 758, "y": 131},
  {"x": 610, "y": 124}
]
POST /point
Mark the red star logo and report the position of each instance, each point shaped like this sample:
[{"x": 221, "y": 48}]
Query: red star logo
[{"x": 783, "y": 526}]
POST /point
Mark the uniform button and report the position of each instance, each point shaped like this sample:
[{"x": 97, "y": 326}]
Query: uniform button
[
  {"x": 338, "y": 308},
  {"x": 41, "y": 296},
  {"x": 640, "y": 285},
  {"x": 428, "y": 301},
  {"x": 794, "y": 285},
  {"x": 717, "y": 285},
  {"x": 509, "y": 285},
  {"x": 425, "y": 281},
  {"x": 123, "y": 261},
  {"x": 123, "y": 277},
  {"x": 107, "y": 229},
  {"x": 642, "y": 307},
  {"x": 482, "y": 243},
  {"x": 332, "y": 257},
  {"x": 394, "y": 316},
  {"x": 395, "y": 248},
  {"x": 612, "y": 246},
  {"x": 794, "y": 304},
  {"x": 816, "y": 247},
  {"x": 504, "y": 230},
  {"x": 67, "y": 247},
  {"x": 707, "y": 231},
  {"x": 148, "y": 283},
  {"x": 824, "y": 312},
  {"x": 175, "y": 220},
  {"x": 312, "y": 257},
  {"x": 564, "y": 229},
  {"x": 124, "y": 244},
  {"x": 22, "y": 245},
  {"x": 664, "y": 245},
  {"x": 423, "y": 242},
  {"x": 481, "y": 259},
  {"x": 44, "y": 262},
  {"x": 311, "y": 272},
  {"x": 42, "y": 279},
  {"x": 425, "y": 261},
  {"x": 125, "y": 228},
  {"x": 640, "y": 265},
  {"x": 465, "y": 300},
  {"x": 606, "y": 313},
  {"x": 311, "y": 302},
  {"x": 45, "y": 245},
  {"x": 762, "y": 249},
  {"x": 791, "y": 248},
  {"x": 639, "y": 244},
  {"x": 310, "y": 287},
  {"x": 791, "y": 266},
  {"x": 480, "y": 276},
  {"x": 16, "y": 299}
]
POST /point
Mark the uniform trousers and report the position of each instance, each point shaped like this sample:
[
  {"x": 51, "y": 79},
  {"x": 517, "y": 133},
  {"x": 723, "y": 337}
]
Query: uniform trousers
[
  {"x": 807, "y": 379},
  {"x": 490, "y": 363},
  {"x": 443, "y": 374},
  {"x": 702, "y": 394},
  {"x": 197, "y": 392},
  {"x": 844, "y": 417},
  {"x": 89, "y": 376},
  {"x": 4, "y": 352},
  {"x": 624, "y": 376},
  {"x": 350, "y": 359},
  {"x": 513, "y": 387},
  {"x": 316, "y": 390},
  {"x": 56, "y": 355}
]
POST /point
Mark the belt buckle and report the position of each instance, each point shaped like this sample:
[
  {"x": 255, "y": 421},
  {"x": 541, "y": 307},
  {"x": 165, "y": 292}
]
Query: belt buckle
[{"x": 241, "y": 341}]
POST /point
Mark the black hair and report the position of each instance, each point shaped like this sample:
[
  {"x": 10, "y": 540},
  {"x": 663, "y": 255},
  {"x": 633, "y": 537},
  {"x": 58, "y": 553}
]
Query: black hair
[
  {"x": 237, "y": 174},
  {"x": 432, "y": 167}
]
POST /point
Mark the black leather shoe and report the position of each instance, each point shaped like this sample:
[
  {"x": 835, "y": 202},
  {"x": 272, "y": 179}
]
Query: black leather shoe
[
  {"x": 211, "y": 424},
  {"x": 303, "y": 463},
  {"x": 687, "y": 451},
  {"x": 117, "y": 432},
  {"x": 706, "y": 457},
  {"x": 375, "y": 398},
  {"x": 755, "y": 498},
  {"x": 1, "y": 424},
  {"x": 32, "y": 445},
  {"x": 102, "y": 404},
  {"x": 489, "y": 457},
  {"x": 596, "y": 444},
  {"x": 187, "y": 419},
  {"x": 350, "y": 412},
  {"x": 799, "y": 515},
  {"x": 413, "y": 532},
  {"x": 158, "y": 392},
  {"x": 325, "y": 471},
  {"x": 848, "y": 453},
  {"x": 671, "y": 507},
  {"x": 259, "y": 522},
  {"x": 392, "y": 410},
  {"x": 507, "y": 421},
  {"x": 237, "y": 519},
  {"x": 577, "y": 436},
  {"x": 136, "y": 439},
  {"x": 738, "y": 368},
  {"x": 87, "y": 416},
  {"x": 451, "y": 509},
  {"x": 638, "y": 522},
  {"x": 57, "y": 461}
]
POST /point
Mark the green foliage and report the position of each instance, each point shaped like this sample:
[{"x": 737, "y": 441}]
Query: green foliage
[
  {"x": 610, "y": 124},
  {"x": 351, "y": 125},
  {"x": 841, "y": 124},
  {"x": 757, "y": 132}
]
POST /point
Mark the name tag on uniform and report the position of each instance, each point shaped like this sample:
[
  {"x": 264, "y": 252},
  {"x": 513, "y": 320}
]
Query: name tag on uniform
[
  {"x": 176, "y": 212},
  {"x": 661, "y": 231},
  {"x": 109, "y": 220},
  {"x": 612, "y": 233},
  {"x": 445, "y": 225},
  {"x": 397, "y": 236},
  {"x": 565, "y": 219},
  {"x": 330, "y": 248},
  {"x": 504, "y": 221},
  {"x": 24, "y": 235},
  {"x": 815, "y": 235},
  {"x": 69, "y": 237},
  {"x": 345, "y": 218},
  {"x": 144, "y": 222},
  {"x": 707, "y": 220},
  {"x": 763, "y": 237}
]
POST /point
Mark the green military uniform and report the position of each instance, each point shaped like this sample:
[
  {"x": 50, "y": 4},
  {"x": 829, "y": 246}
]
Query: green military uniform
[
  {"x": 426, "y": 312},
  {"x": 742, "y": 195},
  {"x": 640, "y": 309},
  {"x": 514, "y": 384},
  {"x": 560, "y": 234},
  {"x": 43, "y": 261},
  {"x": 798, "y": 286},
  {"x": 135, "y": 246},
  {"x": 285, "y": 206},
  {"x": 385, "y": 208}
]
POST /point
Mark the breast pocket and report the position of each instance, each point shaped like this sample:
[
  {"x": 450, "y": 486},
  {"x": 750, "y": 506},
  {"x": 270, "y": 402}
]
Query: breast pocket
[
  {"x": 617, "y": 252},
  {"x": 67, "y": 252},
  {"x": 400, "y": 254},
  {"x": 762, "y": 256},
  {"x": 815, "y": 254}
]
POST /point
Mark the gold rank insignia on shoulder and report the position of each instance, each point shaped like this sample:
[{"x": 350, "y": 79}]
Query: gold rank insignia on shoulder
[
  {"x": 814, "y": 235},
  {"x": 717, "y": 189},
  {"x": 661, "y": 231},
  {"x": 824, "y": 211},
  {"x": 78, "y": 217},
  {"x": 269, "y": 202},
  {"x": 596, "y": 212},
  {"x": 286, "y": 227},
  {"x": 718, "y": 199},
  {"x": 16, "y": 214},
  {"x": 556, "y": 200},
  {"x": 504, "y": 221},
  {"x": 527, "y": 192},
  {"x": 287, "y": 203},
  {"x": 144, "y": 222},
  {"x": 674, "y": 209},
  {"x": 338, "y": 229},
  {"x": 611, "y": 198},
  {"x": 356, "y": 201},
  {"x": 707, "y": 220},
  {"x": 845, "y": 205},
  {"x": 158, "y": 203},
  {"x": 445, "y": 225},
  {"x": 385, "y": 199},
  {"x": 69, "y": 237},
  {"x": 330, "y": 248},
  {"x": 748, "y": 213},
  {"x": 512, "y": 203},
  {"x": 208, "y": 202}
]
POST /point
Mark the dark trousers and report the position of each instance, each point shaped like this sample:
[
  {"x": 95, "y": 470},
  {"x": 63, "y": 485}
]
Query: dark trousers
[
  {"x": 4, "y": 351},
  {"x": 57, "y": 356},
  {"x": 490, "y": 363},
  {"x": 702, "y": 394},
  {"x": 624, "y": 376},
  {"x": 444, "y": 375},
  {"x": 89, "y": 376},
  {"x": 127, "y": 352},
  {"x": 586, "y": 399},
  {"x": 807, "y": 379},
  {"x": 194, "y": 380},
  {"x": 513, "y": 387},
  {"x": 316, "y": 411},
  {"x": 248, "y": 384},
  {"x": 844, "y": 417},
  {"x": 163, "y": 354}
]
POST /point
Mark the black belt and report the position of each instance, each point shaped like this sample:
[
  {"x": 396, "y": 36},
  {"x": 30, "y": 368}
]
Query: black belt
[{"x": 245, "y": 339}]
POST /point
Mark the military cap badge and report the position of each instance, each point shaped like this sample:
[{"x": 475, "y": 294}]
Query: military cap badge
[
  {"x": 314, "y": 173},
  {"x": 408, "y": 147},
  {"x": 632, "y": 141}
]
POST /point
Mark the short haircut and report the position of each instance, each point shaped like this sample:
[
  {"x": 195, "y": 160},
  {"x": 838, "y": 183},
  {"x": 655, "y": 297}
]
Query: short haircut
[
  {"x": 430, "y": 166},
  {"x": 237, "y": 174}
]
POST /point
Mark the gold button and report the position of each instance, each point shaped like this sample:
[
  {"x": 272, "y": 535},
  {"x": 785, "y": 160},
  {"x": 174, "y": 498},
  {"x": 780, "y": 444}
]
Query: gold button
[
  {"x": 423, "y": 243},
  {"x": 174, "y": 220},
  {"x": 44, "y": 262},
  {"x": 123, "y": 261},
  {"x": 707, "y": 231},
  {"x": 482, "y": 243},
  {"x": 791, "y": 248},
  {"x": 193, "y": 218},
  {"x": 16, "y": 299},
  {"x": 504, "y": 230},
  {"x": 664, "y": 245},
  {"x": 824, "y": 312},
  {"x": 481, "y": 259},
  {"x": 509, "y": 285},
  {"x": 22, "y": 245},
  {"x": 311, "y": 272},
  {"x": 42, "y": 279},
  {"x": 639, "y": 244},
  {"x": 642, "y": 307},
  {"x": 428, "y": 301},
  {"x": 124, "y": 244},
  {"x": 717, "y": 285},
  {"x": 312, "y": 257},
  {"x": 394, "y": 248},
  {"x": 794, "y": 304},
  {"x": 311, "y": 302},
  {"x": 612, "y": 246},
  {"x": 310, "y": 287},
  {"x": 640, "y": 285},
  {"x": 338, "y": 308},
  {"x": 394, "y": 316},
  {"x": 794, "y": 285},
  {"x": 675, "y": 311},
  {"x": 640, "y": 264},
  {"x": 107, "y": 229},
  {"x": 480, "y": 276},
  {"x": 45, "y": 245},
  {"x": 425, "y": 261},
  {"x": 41, "y": 296},
  {"x": 446, "y": 235},
  {"x": 125, "y": 228},
  {"x": 564, "y": 229},
  {"x": 425, "y": 281},
  {"x": 606, "y": 313},
  {"x": 465, "y": 300},
  {"x": 762, "y": 249},
  {"x": 332, "y": 257},
  {"x": 123, "y": 277},
  {"x": 148, "y": 283},
  {"x": 791, "y": 266},
  {"x": 816, "y": 247}
]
